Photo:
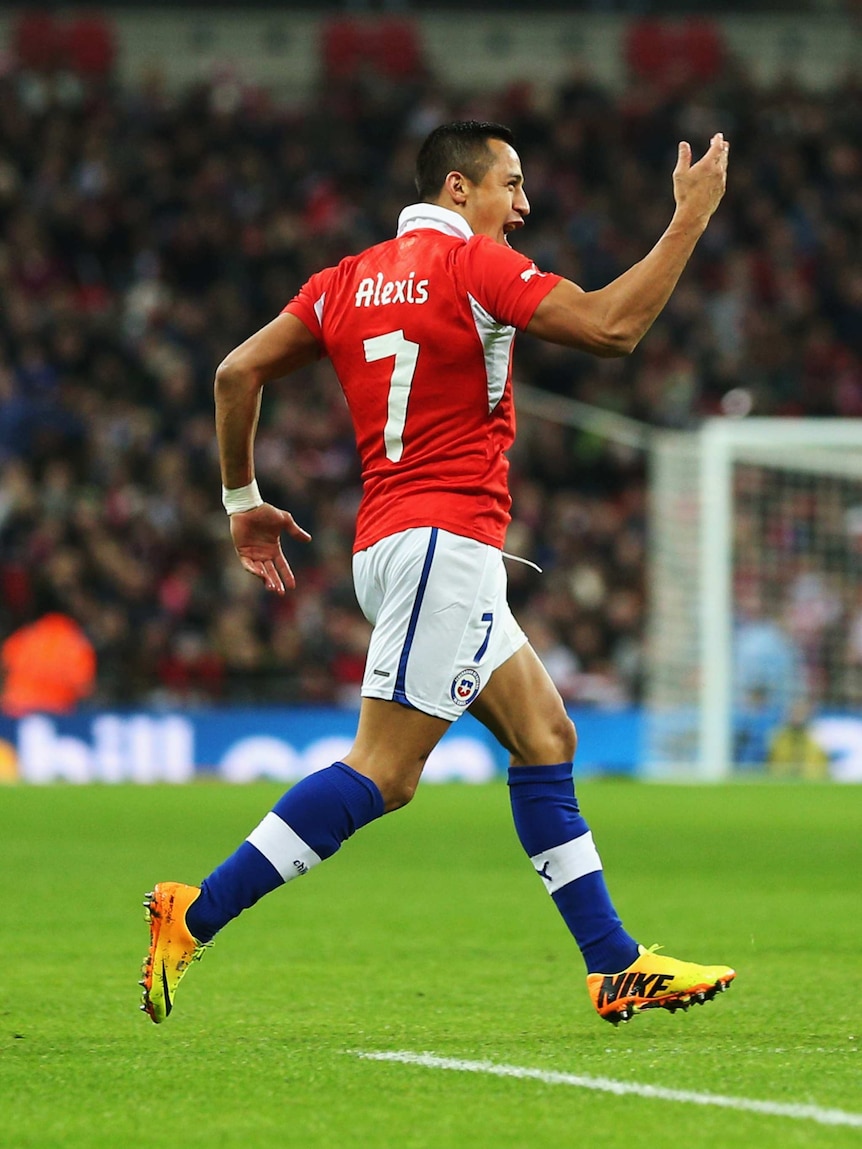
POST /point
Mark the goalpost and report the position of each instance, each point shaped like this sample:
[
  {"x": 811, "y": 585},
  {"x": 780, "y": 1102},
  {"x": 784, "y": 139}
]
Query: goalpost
[{"x": 756, "y": 588}]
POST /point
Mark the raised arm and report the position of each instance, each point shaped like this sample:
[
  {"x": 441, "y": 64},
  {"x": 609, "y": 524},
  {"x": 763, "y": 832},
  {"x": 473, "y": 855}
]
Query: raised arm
[
  {"x": 284, "y": 345},
  {"x": 613, "y": 320}
]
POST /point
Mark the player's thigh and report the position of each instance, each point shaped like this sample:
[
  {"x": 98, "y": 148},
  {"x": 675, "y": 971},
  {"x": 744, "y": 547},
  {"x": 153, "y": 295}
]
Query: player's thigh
[
  {"x": 441, "y": 622},
  {"x": 523, "y": 709}
]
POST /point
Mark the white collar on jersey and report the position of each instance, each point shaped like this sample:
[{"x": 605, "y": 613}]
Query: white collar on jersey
[{"x": 419, "y": 215}]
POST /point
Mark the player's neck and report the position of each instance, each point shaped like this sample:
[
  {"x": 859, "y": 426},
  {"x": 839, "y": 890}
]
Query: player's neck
[{"x": 436, "y": 216}]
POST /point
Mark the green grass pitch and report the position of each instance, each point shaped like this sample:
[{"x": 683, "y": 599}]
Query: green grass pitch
[{"x": 428, "y": 932}]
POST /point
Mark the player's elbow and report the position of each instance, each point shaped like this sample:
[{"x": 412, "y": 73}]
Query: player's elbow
[
  {"x": 616, "y": 342},
  {"x": 612, "y": 330},
  {"x": 600, "y": 338},
  {"x": 226, "y": 374},
  {"x": 605, "y": 339},
  {"x": 234, "y": 374},
  {"x": 229, "y": 372},
  {"x": 585, "y": 321}
]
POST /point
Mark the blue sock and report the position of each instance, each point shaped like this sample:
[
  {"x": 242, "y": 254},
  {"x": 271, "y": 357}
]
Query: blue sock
[
  {"x": 306, "y": 825},
  {"x": 560, "y": 846}
]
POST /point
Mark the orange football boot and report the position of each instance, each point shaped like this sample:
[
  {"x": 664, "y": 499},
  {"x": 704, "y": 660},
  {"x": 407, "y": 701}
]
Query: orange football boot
[
  {"x": 655, "y": 982},
  {"x": 172, "y": 947}
]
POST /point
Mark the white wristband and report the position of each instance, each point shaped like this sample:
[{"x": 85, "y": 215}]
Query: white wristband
[{"x": 241, "y": 498}]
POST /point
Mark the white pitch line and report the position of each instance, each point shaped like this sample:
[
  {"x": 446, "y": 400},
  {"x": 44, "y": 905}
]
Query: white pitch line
[{"x": 608, "y": 1085}]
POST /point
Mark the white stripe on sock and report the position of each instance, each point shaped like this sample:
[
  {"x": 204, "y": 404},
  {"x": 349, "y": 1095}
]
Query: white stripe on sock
[
  {"x": 282, "y": 847},
  {"x": 567, "y": 863}
]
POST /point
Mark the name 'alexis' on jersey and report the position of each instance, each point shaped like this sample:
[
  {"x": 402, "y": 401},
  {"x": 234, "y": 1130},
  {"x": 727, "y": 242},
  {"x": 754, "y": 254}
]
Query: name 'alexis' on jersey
[{"x": 379, "y": 291}]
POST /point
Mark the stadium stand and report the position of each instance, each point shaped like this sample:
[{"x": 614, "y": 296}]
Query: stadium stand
[{"x": 146, "y": 232}]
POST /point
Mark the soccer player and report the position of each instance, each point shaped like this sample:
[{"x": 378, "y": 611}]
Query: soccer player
[{"x": 419, "y": 330}]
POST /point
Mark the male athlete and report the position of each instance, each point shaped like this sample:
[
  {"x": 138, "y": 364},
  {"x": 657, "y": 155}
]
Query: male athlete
[{"x": 420, "y": 330}]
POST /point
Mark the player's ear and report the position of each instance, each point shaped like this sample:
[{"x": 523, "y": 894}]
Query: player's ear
[{"x": 455, "y": 186}]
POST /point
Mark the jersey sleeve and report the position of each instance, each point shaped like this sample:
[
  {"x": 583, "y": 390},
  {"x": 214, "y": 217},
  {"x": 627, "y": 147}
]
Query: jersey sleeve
[
  {"x": 507, "y": 284},
  {"x": 308, "y": 303}
]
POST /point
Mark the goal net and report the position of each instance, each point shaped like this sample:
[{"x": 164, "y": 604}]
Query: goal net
[{"x": 755, "y": 627}]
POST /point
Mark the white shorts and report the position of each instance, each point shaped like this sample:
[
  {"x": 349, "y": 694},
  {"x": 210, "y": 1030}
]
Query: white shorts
[{"x": 442, "y": 625}]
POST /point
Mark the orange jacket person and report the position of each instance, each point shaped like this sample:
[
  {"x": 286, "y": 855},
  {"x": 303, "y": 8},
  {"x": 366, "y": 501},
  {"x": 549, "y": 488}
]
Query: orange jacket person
[{"x": 48, "y": 665}]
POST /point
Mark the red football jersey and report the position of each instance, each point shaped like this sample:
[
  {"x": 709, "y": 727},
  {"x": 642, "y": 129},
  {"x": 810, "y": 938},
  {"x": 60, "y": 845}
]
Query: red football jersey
[{"x": 420, "y": 331}]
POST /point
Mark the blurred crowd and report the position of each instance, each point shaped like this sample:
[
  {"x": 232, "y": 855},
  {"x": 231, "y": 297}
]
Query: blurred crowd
[{"x": 146, "y": 232}]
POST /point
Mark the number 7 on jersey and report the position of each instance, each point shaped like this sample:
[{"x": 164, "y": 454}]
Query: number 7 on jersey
[{"x": 394, "y": 345}]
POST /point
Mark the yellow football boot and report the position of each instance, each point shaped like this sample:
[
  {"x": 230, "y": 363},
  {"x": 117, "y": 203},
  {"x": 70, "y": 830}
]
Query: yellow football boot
[
  {"x": 172, "y": 947},
  {"x": 653, "y": 981}
]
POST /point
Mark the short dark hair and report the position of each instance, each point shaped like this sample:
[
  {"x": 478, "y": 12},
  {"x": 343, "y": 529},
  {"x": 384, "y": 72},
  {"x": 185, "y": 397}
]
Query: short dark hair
[{"x": 461, "y": 146}]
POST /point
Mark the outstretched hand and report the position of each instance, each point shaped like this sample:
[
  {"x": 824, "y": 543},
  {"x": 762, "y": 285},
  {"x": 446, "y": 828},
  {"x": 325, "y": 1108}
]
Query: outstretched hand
[
  {"x": 256, "y": 535},
  {"x": 699, "y": 187}
]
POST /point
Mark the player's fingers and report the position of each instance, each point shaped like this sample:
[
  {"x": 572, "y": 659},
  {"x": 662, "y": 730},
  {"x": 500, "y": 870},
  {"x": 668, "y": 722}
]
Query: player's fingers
[
  {"x": 253, "y": 567},
  {"x": 265, "y": 571},
  {"x": 282, "y": 568},
  {"x": 718, "y": 147},
  {"x": 271, "y": 577},
  {"x": 293, "y": 528},
  {"x": 683, "y": 159}
]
